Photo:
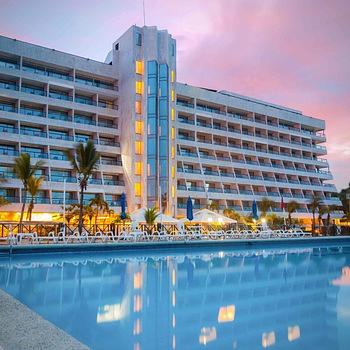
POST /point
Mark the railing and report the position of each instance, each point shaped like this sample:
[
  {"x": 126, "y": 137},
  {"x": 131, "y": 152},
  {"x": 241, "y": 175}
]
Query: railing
[
  {"x": 59, "y": 116},
  {"x": 61, "y": 137},
  {"x": 185, "y": 104},
  {"x": 33, "y": 133},
  {"x": 8, "y": 129}
]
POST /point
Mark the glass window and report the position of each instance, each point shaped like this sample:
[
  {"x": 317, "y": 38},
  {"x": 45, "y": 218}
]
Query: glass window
[
  {"x": 138, "y": 168},
  {"x": 173, "y": 133},
  {"x": 152, "y": 67},
  {"x": 163, "y": 71},
  {"x": 139, "y": 87},
  {"x": 138, "y": 147},
  {"x": 151, "y": 167},
  {"x": 152, "y": 105},
  {"x": 138, "y": 107},
  {"x": 138, "y": 127},
  {"x": 172, "y": 76},
  {"x": 152, "y": 126},
  {"x": 139, "y": 67},
  {"x": 138, "y": 39},
  {"x": 172, "y": 114},
  {"x": 173, "y": 95},
  {"x": 163, "y": 107},
  {"x": 151, "y": 146},
  {"x": 137, "y": 188},
  {"x": 173, "y": 172},
  {"x": 152, "y": 86}
]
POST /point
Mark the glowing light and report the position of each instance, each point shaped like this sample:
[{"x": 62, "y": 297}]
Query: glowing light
[
  {"x": 139, "y": 87},
  {"x": 137, "y": 327},
  {"x": 109, "y": 313},
  {"x": 263, "y": 220},
  {"x": 137, "y": 189},
  {"x": 139, "y": 67},
  {"x": 268, "y": 339},
  {"x": 293, "y": 333},
  {"x": 207, "y": 335},
  {"x": 173, "y": 277},
  {"x": 41, "y": 217},
  {"x": 220, "y": 220},
  {"x": 137, "y": 303},
  {"x": 174, "y": 299},
  {"x": 226, "y": 313},
  {"x": 138, "y": 107},
  {"x": 137, "y": 280},
  {"x": 210, "y": 219}
]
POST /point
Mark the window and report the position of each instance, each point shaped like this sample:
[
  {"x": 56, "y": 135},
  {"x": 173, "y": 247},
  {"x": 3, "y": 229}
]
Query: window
[
  {"x": 173, "y": 133},
  {"x": 138, "y": 39},
  {"x": 138, "y": 147},
  {"x": 137, "y": 189},
  {"x": 138, "y": 107},
  {"x": 138, "y": 168},
  {"x": 172, "y": 95},
  {"x": 173, "y": 114},
  {"x": 172, "y": 76},
  {"x": 173, "y": 191},
  {"x": 139, "y": 67},
  {"x": 173, "y": 172},
  {"x": 172, "y": 152},
  {"x": 117, "y": 46},
  {"x": 172, "y": 49},
  {"x": 139, "y": 87},
  {"x": 138, "y": 127}
]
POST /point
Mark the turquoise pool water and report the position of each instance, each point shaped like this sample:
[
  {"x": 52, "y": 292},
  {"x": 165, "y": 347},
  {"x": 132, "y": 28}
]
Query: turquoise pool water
[{"x": 297, "y": 298}]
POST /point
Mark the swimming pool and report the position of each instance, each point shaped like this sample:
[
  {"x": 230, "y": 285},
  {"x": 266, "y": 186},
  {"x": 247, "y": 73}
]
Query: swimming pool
[{"x": 193, "y": 298}]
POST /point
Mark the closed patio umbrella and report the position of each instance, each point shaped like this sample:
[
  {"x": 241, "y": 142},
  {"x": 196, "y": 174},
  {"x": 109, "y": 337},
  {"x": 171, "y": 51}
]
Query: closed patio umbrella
[
  {"x": 123, "y": 206},
  {"x": 255, "y": 210},
  {"x": 189, "y": 209}
]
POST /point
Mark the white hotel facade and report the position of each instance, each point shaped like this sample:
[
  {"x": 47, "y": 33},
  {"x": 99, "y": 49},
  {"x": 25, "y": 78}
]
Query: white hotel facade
[{"x": 157, "y": 138}]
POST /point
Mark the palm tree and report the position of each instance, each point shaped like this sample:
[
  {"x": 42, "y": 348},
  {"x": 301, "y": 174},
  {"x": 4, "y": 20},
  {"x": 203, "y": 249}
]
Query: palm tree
[
  {"x": 214, "y": 206},
  {"x": 84, "y": 160},
  {"x": 34, "y": 184},
  {"x": 321, "y": 212},
  {"x": 3, "y": 201},
  {"x": 24, "y": 171},
  {"x": 315, "y": 203},
  {"x": 232, "y": 214},
  {"x": 291, "y": 207},
  {"x": 99, "y": 204},
  {"x": 265, "y": 205},
  {"x": 89, "y": 211},
  {"x": 151, "y": 215}
]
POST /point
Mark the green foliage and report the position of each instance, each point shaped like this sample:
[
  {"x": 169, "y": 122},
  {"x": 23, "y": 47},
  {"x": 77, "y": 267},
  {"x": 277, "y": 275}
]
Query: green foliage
[
  {"x": 151, "y": 215},
  {"x": 34, "y": 184},
  {"x": 232, "y": 214},
  {"x": 266, "y": 205},
  {"x": 291, "y": 207}
]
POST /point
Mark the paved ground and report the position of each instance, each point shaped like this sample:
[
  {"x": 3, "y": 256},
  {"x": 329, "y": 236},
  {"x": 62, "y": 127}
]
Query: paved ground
[{"x": 23, "y": 329}]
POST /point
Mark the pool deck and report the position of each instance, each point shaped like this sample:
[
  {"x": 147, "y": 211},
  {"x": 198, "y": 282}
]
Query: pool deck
[
  {"x": 23, "y": 329},
  {"x": 6, "y": 250}
]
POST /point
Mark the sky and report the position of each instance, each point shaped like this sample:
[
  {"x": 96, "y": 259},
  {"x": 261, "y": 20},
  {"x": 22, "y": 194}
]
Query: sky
[{"x": 294, "y": 53}]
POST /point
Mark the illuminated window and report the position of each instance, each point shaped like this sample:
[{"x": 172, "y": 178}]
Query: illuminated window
[
  {"x": 226, "y": 313},
  {"x": 268, "y": 339},
  {"x": 139, "y": 67},
  {"x": 137, "y": 188},
  {"x": 137, "y": 280},
  {"x": 172, "y": 152},
  {"x": 139, "y": 87},
  {"x": 173, "y": 95},
  {"x": 173, "y": 133},
  {"x": 172, "y": 114},
  {"x": 173, "y": 172},
  {"x": 172, "y": 76},
  {"x": 173, "y": 191},
  {"x": 138, "y": 168},
  {"x": 138, "y": 147},
  {"x": 137, "y": 303},
  {"x": 139, "y": 127},
  {"x": 293, "y": 333},
  {"x": 138, "y": 107}
]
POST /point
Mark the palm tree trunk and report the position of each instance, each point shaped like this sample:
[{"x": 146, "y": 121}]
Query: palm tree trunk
[
  {"x": 30, "y": 209},
  {"x": 313, "y": 223},
  {"x": 80, "y": 227},
  {"x": 290, "y": 218},
  {"x": 22, "y": 209}
]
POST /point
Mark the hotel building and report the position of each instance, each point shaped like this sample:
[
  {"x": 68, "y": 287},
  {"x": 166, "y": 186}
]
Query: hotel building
[{"x": 159, "y": 140}]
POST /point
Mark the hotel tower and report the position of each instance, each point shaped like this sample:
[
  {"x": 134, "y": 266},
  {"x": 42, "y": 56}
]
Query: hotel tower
[{"x": 159, "y": 140}]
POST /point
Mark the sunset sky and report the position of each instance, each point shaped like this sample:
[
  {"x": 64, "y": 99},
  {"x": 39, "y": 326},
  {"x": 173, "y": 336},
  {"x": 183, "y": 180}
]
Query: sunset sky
[{"x": 290, "y": 52}]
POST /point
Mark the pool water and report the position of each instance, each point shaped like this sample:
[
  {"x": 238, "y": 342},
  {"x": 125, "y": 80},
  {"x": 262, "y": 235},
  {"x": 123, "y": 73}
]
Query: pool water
[{"x": 297, "y": 298}]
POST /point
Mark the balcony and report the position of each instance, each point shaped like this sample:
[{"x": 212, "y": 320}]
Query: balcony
[
  {"x": 184, "y": 206},
  {"x": 185, "y": 104},
  {"x": 4, "y": 63},
  {"x": 214, "y": 190},
  {"x": 60, "y": 137},
  {"x": 211, "y": 172},
  {"x": 273, "y": 194},
  {"x": 8, "y": 85},
  {"x": 57, "y": 156},
  {"x": 46, "y": 71},
  {"x": 109, "y": 143},
  {"x": 60, "y": 96},
  {"x": 32, "y": 112},
  {"x": 230, "y": 190},
  {"x": 209, "y": 109},
  {"x": 206, "y": 156},
  {"x": 186, "y": 137},
  {"x": 36, "y": 133},
  {"x": 188, "y": 154},
  {"x": 111, "y": 162},
  {"x": 9, "y": 152},
  {"x": 186, "y": 121},
  {"x": 8, "y": 129},
  {"x": 95, "y": 83},
  {"x": 247, "y": 192},
  {"x": 6, "y": 107},
  {"x": 61, "y": 178},
  {"x": 95, "y": 181},
  {"x": 108, "y": 182},
  {"x": 84, "y": 100},
  {"x": 40, "y": 155},
  {"x": 28, "y": 89},
  {"x": 59, "y": 116}
]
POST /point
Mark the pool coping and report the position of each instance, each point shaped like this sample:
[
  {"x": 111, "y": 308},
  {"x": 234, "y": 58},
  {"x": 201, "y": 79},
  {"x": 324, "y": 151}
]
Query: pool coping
[
  {"x": 7, "y": 250},
  {"x": 23, "y": 329}
]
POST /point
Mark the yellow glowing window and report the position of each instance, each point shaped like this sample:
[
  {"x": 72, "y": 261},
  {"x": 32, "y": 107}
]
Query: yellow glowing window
[
  {"x": 268, "y": 339},
  {"x": 138, "y": 127},
  {"x": 172, "y": 152},
  {"x": 139, "y": 67},
  {"x": 172, "y": 114},
  {"x": 138, "y": 107},
  {"x": 139, "y": 87},
  {"x": 138, "y": 168},
  {"x": 138, "y": 147},
  {"x": 173, "y": 133},
  {"x": 137, "y": 303},
  {"x": 173, "y": 191},
  {"x": 137, "y": 188},
  {"x": 137, "y": 280},
  {"x": 172, "y": 76},
  {"x": 172, "y": 95},
  {"x": 293, "y": 333},
  {"x": 226, "y": 313},
  {"x": 173, "y": 172}
]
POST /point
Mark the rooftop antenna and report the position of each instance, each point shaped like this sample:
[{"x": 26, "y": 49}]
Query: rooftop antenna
[{"x": 144, "y": 12}]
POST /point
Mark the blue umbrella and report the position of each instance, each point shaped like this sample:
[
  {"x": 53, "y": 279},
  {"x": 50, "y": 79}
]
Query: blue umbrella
[
  {"x": 189, "y": 209},
  {"x": 123, "y": 205},
  {"x": 255, "y": 210}
]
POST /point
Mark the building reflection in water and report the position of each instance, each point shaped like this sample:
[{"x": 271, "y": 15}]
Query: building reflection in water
[{"x": 226, "y": 300}]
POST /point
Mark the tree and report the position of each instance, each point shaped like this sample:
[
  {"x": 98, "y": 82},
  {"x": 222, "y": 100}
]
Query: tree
[
  {"x": 90, "y": 212},
  {"x": 232, "y": 214},
  {"x": 3, "y": 201},
  {"x": 24, "y": 171},
  {"x": 315, "y": 203},
  {"x": 99, "y": 204},
  {"x": 265, "y": 205},
  {"x": 321, "y": 212},
  {"x": 151, "y": 215},
  {"x": 84, "y": 160},
  {"x": 291, "y": 207},
  {"x": 34, "y": 184},
  {"x": 214, "y": 206}
]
